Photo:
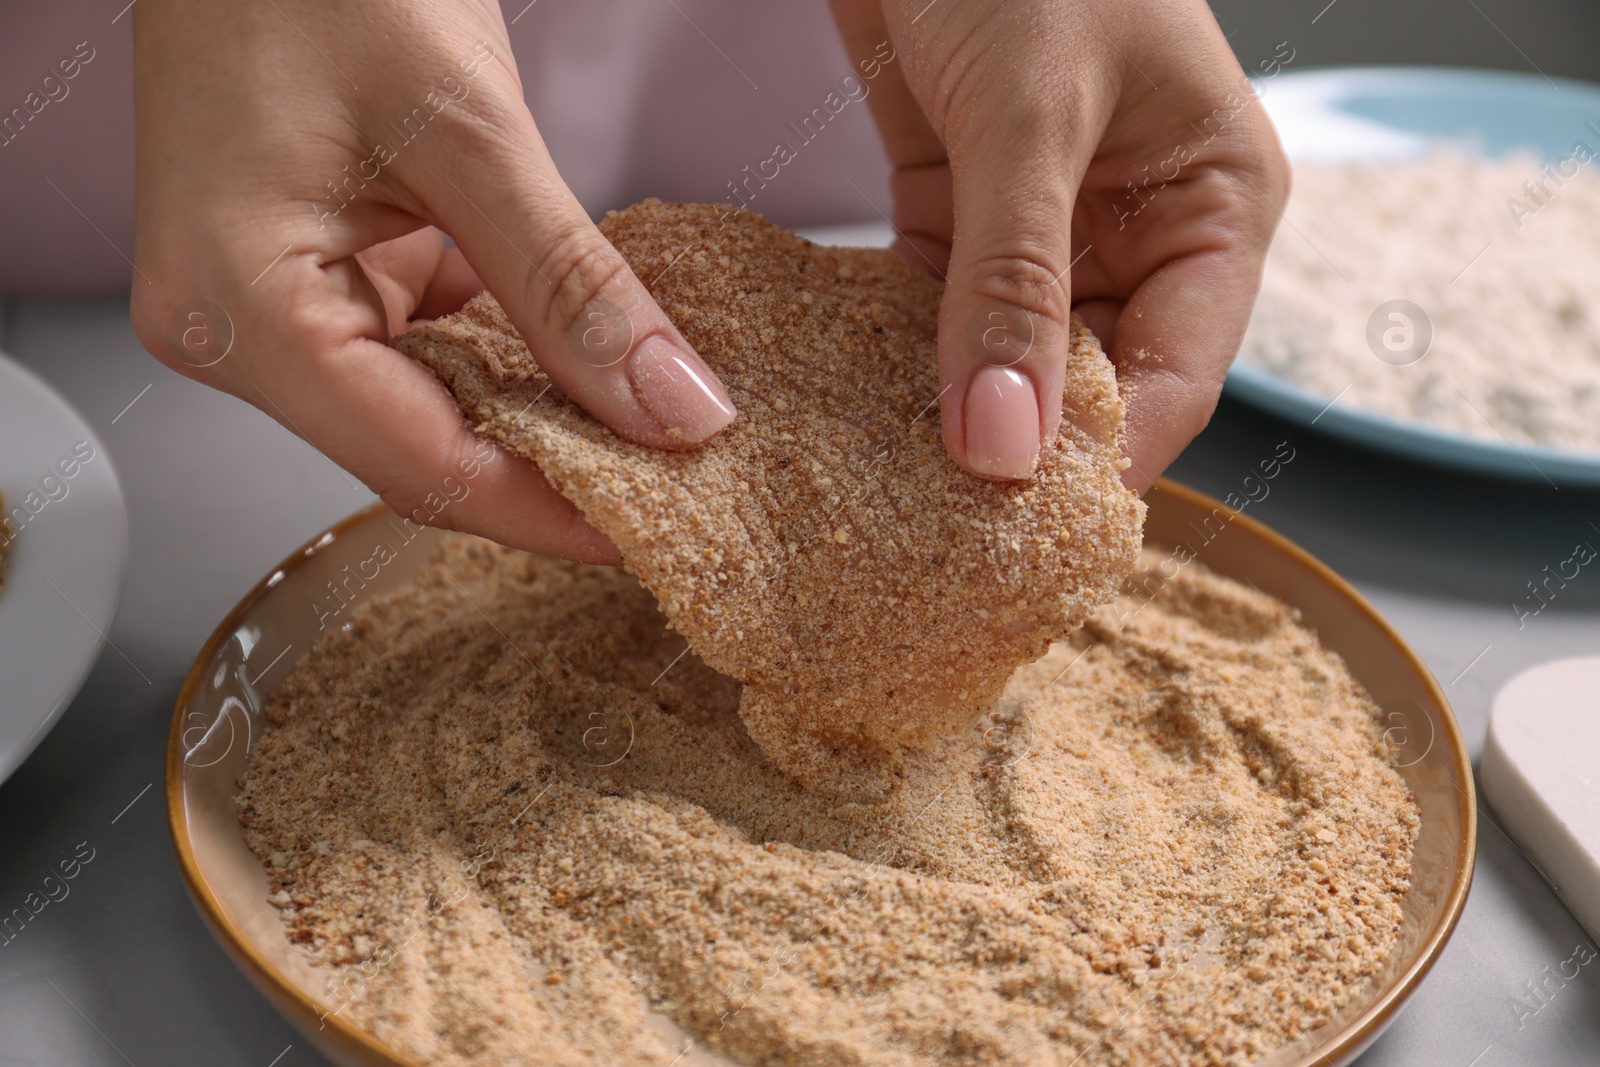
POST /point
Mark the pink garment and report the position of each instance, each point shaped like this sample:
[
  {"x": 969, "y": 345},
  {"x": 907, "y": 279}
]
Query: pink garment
[{"x": 635, "y": 98}]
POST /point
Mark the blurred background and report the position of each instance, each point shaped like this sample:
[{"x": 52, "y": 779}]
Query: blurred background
[
  {"x": 592, "y": 74},
  {"x": 1555, "y": 36}
]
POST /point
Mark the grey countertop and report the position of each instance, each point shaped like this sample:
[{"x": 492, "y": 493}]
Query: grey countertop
[{"x": 122, "y": 971}]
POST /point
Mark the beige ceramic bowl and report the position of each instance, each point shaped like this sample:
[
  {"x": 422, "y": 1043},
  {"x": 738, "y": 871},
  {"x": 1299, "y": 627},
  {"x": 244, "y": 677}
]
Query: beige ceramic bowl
[{"x": 219, "y": 711}]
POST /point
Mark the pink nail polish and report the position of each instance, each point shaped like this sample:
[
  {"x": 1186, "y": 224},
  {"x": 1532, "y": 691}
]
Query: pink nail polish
[
  {"x": 1002, "y": 418},
  {"x": 678, "y": 388}
]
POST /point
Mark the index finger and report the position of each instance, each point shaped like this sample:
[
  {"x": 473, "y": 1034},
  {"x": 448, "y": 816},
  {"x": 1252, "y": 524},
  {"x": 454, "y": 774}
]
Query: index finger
[{"x": 589, "y": 321}]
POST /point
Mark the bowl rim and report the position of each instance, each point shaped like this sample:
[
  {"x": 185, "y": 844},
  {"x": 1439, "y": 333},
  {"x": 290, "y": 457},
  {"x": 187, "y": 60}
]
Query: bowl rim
[
  {"x": 347, "y": 1036},
  {"x": 1361, "y": 1031}
]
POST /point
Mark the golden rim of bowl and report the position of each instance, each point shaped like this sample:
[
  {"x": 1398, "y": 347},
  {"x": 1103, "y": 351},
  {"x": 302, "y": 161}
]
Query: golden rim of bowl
[{"x": 348, "y": 1037}]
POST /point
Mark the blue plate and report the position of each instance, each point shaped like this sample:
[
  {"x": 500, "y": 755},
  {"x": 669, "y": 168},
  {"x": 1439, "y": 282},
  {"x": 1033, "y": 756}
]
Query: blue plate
[{"x": 1372, "y": 113}]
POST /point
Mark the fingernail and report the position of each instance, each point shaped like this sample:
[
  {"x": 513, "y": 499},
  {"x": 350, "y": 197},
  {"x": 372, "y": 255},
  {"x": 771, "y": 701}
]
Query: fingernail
[
  {"x": 679, "y": 390},
  {"x": 1002, "y": 417}
]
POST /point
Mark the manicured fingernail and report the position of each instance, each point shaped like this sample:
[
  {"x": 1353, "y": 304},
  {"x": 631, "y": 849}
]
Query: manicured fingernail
[
  {"x": 1002, "y": 423},
  {"x": 679, "y": 390}
]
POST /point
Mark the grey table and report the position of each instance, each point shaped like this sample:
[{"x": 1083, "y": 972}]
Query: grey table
[{"x": 122, "y": 972}]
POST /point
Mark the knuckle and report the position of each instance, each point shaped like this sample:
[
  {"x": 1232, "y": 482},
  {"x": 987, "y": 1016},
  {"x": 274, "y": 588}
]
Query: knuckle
[
  {"x": 412, "y": 504},
  {"x": 1261, "y": 160},
  {"x": 1282, "y": 174},
  {"x": 964, "y": 76},
  {"x": 1251, "y": 204},
  {"x": 147, "y": 320},
  {"x": 435, "y": 490},
  {"x": 1026, "y": 279},
  {"x": 574, "y": 271},
  {"x": 1197, "y": 399},
  {"x": 477, "y": 114},
  {"x": 160, "y": 321},
  {"x": 483, "y": 107},
  {"x": 423, "y": 504},
  {"x": 188, "y": 324}
]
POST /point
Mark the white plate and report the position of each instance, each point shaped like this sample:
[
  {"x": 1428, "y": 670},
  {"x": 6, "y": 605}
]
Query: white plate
[
  {"x": 1373, "y": 113},
  {"x": 64, "y": 565},
  {"x": 851, "y": 234}
]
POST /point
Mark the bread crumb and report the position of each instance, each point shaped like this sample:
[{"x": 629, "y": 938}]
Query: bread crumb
[
  {"x": 591, "y": 863},
  {"x": 762, "y": 544}
]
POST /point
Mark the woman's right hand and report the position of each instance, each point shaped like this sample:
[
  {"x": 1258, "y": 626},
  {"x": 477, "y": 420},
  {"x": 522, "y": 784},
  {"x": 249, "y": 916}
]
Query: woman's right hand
[
  {"x": 299, "y": 163},
  {"x": 1102, "y": 156}
]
